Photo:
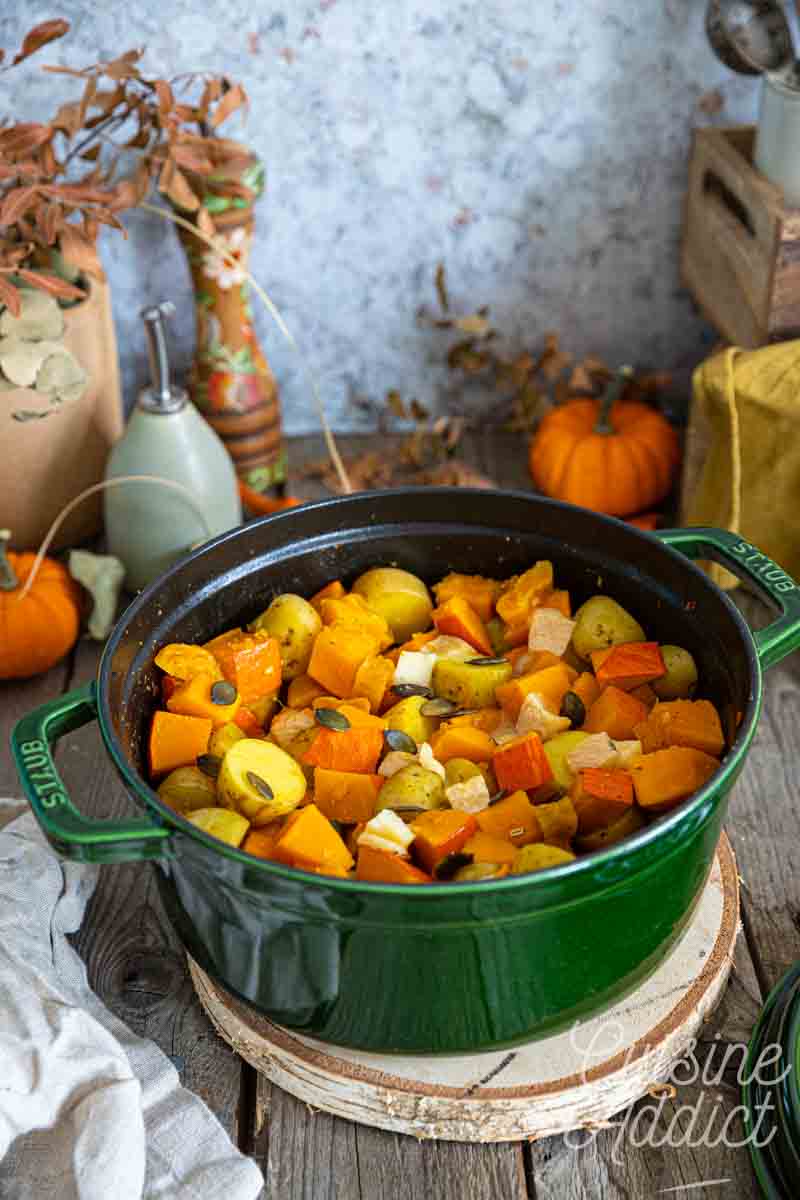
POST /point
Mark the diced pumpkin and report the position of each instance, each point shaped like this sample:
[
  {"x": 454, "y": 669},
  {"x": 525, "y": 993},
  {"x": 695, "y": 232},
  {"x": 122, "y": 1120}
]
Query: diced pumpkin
[
  {"x": 339, "y": 650},
  {"x": 558, "y": 821},
  {"x": 486, "y": 848},
  {"x": 457, "y": 618},
  {"x": 193, "y": 699},
  {"x": 331, "y": 591},
  {"x": 360, "y": 717},
  {"x": 176, "y": 740},
  {"x": 302, "y": 691},
  {"x": 381, "y": 866},
  {"x": 517, "y": 602},
  {"x": 479, "y": 592},
  {"x": 522, "y": 764},
  {"x": 462, "y": 741},
  {"x": 616, "y": 713},
  {"x": 372, "y": 680},
  {"x": 629, "y": 665},
  {"x": 693, "y": 723},
  {"x": 601, "y": 797},
  {"x": 665, "y": 778},
  {"x": 261, "y": 842},
  {"x": 183, "y": 661},
  {"x": 559, "y": 600},
  {"x": 169, "y": 684},
  {"x": 512, "y": 819},
  {"x": 309, "y": 840},
  {"x": 550, "y": 684},
  {"x": 352, "y": 610},
  {"x": 486, "y": 719},
  {"x": 354, "y": 749},
  {"x": 351, "y": 703},
  {"x": 346, "y": 796},
  {"x": 586, "y": 688},
  {"x": 250, "y": 661},
  {"x": 438, "y": 833}
]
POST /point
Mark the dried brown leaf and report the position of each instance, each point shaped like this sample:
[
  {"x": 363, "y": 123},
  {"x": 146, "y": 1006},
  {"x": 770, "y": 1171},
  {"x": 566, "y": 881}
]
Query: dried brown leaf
[
  {"x": 233, "y": 99},
  {"x": 54, "y": 285},
  {"x": 9, "y": 295},
  {"x": 67, "y": 119},
  {"x": 180, "y": 192},
  {"x": 417, "y": 410},
  {"x": 24, "y": 137},
  {"x": 441, "y": 288},
  {"x": 87, "y": 99},
  {"x": 474, "y": 324},
  {"x": 17, "y": 202},
  {"x": 205, "y": 222},
  {"x": 190, "y": 160},
  {"x": 580, "y": 380},
  {"x": 40, "y": 35},
  {"x": 166, "y": 100},
  {"x": 79, "y": 251},
  {"x": 395, "y": 402}
]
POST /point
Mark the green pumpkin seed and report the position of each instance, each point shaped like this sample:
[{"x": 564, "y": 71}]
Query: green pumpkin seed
[
  {"x": 412, "y": 689},
  {"x": 209, "y": 764},
  {"x": 260, "y": 785},
  {"x": 331, "y": 718},
  {"x": 395, "y": 739},
  {"x": 486, "y": 662},
  {"x": 447, "y": 868},
  {"x": 223, "y": 692},
  {"x": 501, "y": 795},
  {"x": 573, "y": 707},
  {"x": 438, "y": 708}
]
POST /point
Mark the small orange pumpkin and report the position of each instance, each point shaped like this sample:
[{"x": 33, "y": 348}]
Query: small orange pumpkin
[
  {"x": 614, "y": 456},
  {"x": 40, "y": 628}
]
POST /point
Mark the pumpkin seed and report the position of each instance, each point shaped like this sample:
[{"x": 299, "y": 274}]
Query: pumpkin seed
[
  {"x": 395, "y": 739},
  {"x": 486, "y": 662},
  {"x": 331, "y": 718},
  {"x": 223, "y": 692},
  {"x": 260, "y": 785},
  {"x": 412, "y": 689},
  {"x": 501, "y": 795},
  {"x": 410, "y": 808},
  {"x": 438, "y": 708},
  {"x": 518, "y": 832},
  {"x": 451, "y": 863},
  {"x": 209, "y": 764},
  {"x": 573, "y": 707}
]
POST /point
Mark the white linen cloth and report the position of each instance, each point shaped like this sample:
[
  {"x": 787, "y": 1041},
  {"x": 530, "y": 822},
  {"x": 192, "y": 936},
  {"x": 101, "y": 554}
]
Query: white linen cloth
[{"x": 98, "y": 1112}]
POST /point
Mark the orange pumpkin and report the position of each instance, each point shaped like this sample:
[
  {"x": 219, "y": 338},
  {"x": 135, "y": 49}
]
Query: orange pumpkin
[
  {"x": 39, "y": 629},
  {"x": 611, "y": 455}
]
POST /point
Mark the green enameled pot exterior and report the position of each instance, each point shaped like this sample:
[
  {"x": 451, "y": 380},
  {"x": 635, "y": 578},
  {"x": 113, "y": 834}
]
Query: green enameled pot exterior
[{"x": 448, "y": 967}]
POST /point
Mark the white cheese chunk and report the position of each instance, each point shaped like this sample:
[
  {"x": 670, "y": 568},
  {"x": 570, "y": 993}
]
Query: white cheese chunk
[
  {"x": 428, "y": 760},
  {"x": 395, "y": 761},
  {"x": 597, "y": 750},
  {"x": 627, "y": 752},
  {"x": 414, "y": 667},
  {"x": 471, "y": 796},
  {"x": 550, "y": 630},
  {"x": 289, "y": 723},
  {"x": 445, "y": 646},
  {"x": 536, "y": 717},
  {"x": 386, "y": 831}
]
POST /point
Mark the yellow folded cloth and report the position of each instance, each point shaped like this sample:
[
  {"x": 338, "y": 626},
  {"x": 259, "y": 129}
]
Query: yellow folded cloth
[{"x": 750, "y": 481}]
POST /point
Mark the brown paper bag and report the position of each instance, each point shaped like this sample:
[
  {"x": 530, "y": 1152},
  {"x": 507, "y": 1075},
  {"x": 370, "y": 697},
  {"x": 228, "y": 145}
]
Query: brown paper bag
[{"x": 746, "y": 410}]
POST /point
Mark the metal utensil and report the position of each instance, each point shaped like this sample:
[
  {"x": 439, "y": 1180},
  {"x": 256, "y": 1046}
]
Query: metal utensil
[{"x": 749, "y": 36}]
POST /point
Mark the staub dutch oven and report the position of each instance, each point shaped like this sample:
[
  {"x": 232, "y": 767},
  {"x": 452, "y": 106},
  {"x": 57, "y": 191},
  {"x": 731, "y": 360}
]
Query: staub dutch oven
[{"x": 447, "y": 967}]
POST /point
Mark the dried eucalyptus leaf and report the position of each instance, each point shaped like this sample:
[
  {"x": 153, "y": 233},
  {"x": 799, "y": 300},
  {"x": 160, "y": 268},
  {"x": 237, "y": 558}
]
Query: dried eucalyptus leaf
[
  {"x": 28, "y": 414},
  {"x": 102, "y": 575},
  {"x": 40, "y": 318},
  {"x": 61, "y": 373},
  {"x": 21, "y": 360}
]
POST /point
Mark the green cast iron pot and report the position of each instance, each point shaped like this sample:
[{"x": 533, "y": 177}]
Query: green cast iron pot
[{"x": 447, "y": 967}]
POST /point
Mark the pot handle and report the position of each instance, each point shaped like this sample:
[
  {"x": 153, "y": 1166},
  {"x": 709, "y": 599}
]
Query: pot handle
[
  {"x": 766, "y": 578},
  {"x": 70, "y": 833}
]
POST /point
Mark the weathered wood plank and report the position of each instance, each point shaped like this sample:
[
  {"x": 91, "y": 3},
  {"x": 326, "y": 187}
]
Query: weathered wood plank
[{"x": 135, "y": 962}]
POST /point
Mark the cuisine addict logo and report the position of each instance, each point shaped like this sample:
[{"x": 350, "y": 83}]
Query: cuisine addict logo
[{"x": 706, "y": 1118}]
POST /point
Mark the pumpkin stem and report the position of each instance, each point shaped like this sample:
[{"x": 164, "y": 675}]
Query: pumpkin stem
[
  {"x": 8, "y": 580},
  {"x": 614, "y": 389}
]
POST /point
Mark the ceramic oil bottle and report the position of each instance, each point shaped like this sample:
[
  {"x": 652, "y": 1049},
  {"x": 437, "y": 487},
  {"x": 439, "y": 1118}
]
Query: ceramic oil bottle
[{"x": 150, "y": 525}]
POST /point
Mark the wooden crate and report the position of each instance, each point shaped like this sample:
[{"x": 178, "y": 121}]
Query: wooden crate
[{"x": 741, "y": 246}]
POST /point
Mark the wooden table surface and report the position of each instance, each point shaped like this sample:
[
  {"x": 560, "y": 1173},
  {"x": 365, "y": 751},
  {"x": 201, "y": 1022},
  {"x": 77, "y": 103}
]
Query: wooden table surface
[{"x": 137, "y": 967}]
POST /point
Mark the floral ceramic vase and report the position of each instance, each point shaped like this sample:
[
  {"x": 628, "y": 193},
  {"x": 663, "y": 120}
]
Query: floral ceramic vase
[{"x": 230, "y": 380}]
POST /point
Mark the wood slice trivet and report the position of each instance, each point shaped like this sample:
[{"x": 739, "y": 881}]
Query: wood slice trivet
[{"x": 576, "y": 1079}]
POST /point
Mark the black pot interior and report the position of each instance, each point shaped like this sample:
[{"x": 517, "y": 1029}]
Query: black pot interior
[{"x": 430, "y": 532}]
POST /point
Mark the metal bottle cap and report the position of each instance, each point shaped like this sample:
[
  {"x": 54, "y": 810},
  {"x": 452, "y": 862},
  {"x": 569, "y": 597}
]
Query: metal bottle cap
[{"x": 162, "y": 396}]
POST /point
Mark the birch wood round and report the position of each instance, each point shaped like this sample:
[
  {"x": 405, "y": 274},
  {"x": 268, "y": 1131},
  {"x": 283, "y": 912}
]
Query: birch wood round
[{"x": 576, "y": 1079}]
